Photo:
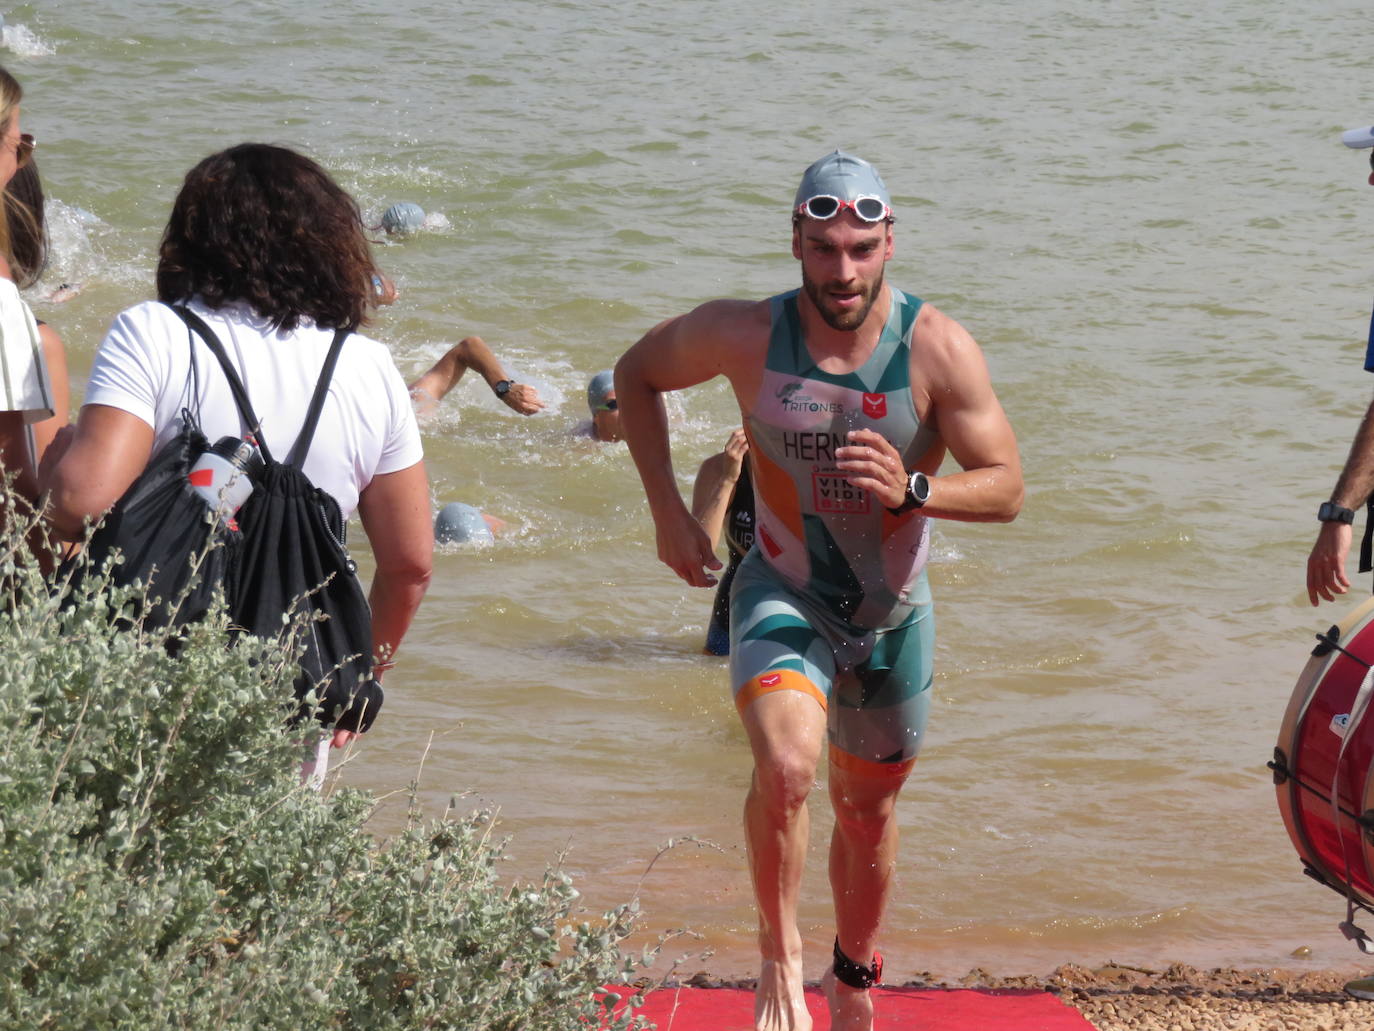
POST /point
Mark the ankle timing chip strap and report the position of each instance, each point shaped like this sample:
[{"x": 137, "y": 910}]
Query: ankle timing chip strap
[{"x": 854, "y": 975}]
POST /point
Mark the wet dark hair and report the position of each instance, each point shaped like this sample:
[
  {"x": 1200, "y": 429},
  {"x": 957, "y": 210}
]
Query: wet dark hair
[
  {"x": 24, "y": 208},
  {"x": 267, "y": 226}
]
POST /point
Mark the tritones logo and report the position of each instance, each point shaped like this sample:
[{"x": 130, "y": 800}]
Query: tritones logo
[{"x": 787, "y": 390}]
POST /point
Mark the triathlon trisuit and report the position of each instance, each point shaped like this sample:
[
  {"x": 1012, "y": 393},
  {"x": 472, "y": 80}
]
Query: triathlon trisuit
[
  {"x": 739, "y": 538},
  {"x": 833, "y": 600}
]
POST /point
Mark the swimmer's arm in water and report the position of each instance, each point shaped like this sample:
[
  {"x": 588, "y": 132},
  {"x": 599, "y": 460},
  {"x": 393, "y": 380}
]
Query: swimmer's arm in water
[
  {"x": 470, "y": 353},
  {"x": 715, "y": 485}
]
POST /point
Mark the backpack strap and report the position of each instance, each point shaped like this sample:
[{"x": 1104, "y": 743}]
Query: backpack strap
[
  {"x": 312, "y": 414},
  {"x": 245, "y": 406}
]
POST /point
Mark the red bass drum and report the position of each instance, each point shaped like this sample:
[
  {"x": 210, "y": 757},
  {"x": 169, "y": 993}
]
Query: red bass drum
[{"x": 1323, "y": 761}]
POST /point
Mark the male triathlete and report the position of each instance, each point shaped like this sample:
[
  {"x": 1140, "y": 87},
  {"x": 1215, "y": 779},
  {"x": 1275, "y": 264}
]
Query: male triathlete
[{"x": 851, "y": 391}]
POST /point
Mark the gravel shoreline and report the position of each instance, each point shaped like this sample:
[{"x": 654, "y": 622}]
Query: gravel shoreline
[{"x": 1179, "y": 998}]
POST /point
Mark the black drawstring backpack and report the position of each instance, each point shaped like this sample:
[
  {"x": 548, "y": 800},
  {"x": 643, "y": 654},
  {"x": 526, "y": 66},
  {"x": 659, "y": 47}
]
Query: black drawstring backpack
[
  {"x": 291, "y": 556},
  {"x": 167, "y": 536}
]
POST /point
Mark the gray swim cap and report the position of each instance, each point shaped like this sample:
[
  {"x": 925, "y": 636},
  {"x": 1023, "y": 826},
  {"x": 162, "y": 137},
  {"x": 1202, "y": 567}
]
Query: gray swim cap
[
  {"x": 458, "y": 523},
  {"x": 601, "y": 387},
  {"x": 405, "y": 217},
  {"x": 1357, "y": 138},
  {"x": 841, "y": 175}
]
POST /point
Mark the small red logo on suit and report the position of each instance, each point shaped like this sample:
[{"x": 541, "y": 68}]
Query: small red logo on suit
[{"x": 875, "y": 405}]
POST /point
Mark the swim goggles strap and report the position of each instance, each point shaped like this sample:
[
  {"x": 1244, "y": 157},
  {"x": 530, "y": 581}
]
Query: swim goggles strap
[{"x": 854, "y": 975}]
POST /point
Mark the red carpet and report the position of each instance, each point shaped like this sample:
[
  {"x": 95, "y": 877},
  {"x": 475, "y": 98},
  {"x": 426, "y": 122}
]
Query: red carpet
[{"x": 898, "y": 1009}]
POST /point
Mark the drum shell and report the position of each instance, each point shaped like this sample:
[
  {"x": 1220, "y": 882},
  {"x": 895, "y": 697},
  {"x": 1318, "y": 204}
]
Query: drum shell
[{"x": 1336, "y": 848}]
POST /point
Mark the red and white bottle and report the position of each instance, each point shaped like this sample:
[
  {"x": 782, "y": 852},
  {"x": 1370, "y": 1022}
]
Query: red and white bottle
[{"x": 223, "y": 475}]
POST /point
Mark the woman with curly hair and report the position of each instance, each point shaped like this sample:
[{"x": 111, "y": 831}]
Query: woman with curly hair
[{"x": 268, "y": 251}]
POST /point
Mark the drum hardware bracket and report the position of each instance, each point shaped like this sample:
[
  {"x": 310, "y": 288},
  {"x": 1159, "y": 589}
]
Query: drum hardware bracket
[
  {"x": 1331, "y": 640},
  {"x": 1279, "y": 764},
  {"x": 1282, "y": 774}
]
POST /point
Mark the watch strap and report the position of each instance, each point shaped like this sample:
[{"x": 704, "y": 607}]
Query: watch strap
[
  {"x": 912, "y": 499},
  {"x": 1330, "y": 512}
]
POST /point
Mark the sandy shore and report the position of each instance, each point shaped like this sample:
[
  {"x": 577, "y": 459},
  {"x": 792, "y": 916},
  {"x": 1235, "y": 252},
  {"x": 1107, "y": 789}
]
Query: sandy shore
[{"x": 1180, "y": 998}]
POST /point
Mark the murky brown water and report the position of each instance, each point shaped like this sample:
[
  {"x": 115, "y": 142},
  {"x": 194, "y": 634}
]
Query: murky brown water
[{"x": 1145, "y": 216}]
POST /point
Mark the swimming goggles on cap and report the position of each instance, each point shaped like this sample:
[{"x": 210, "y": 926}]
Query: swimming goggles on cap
[{"x": 823, "y": 207}]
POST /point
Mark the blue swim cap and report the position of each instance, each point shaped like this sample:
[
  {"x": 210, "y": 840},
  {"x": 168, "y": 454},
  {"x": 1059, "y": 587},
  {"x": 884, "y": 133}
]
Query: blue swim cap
[
  {"x": 405, "y": 217},
  {"x": 600, "y": 388},
  {"x": 458, "y": 523},
  {"x": 841, "y": 175}
]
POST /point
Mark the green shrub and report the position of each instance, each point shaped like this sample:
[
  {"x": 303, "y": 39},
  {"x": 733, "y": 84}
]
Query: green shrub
[{"x": 162, "y": 867}]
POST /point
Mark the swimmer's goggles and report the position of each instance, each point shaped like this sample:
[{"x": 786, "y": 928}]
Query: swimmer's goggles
[
  {"x": 824, "y": 207},
  {"x": 608, "y": 406},
  {"x": 23, "y": 150}
]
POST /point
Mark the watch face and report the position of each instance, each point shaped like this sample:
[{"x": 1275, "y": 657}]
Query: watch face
[{"x": 920, "y": 487}]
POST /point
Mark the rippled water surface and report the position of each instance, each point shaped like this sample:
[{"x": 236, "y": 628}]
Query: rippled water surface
[{"x": 1143, "y": 212}]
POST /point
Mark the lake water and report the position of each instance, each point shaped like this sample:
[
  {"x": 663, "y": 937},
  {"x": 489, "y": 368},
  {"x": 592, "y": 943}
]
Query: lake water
[{"x": 1141, "y": 209}]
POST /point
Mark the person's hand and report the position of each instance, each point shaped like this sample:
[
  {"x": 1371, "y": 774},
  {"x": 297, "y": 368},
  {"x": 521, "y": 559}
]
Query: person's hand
[
  {"x": 873, "y": 464},
  {"x": 735, "y": 450},
  {"x": 684, "y": 547},
  {"x": 343, "y": 738},
  {"x": 1326, "y": 565},
  {"x": 383, "y": 289},
  {"x": 523, "y": 398}
]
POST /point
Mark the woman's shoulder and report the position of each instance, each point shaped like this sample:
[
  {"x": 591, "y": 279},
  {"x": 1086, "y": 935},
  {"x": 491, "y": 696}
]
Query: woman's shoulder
[
  {"x": 146, "y": 315},
  {"x": 369, "y": 355}
]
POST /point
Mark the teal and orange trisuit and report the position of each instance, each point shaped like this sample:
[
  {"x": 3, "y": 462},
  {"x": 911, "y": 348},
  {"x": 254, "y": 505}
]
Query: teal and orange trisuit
[{"x": 833, "y": 599}]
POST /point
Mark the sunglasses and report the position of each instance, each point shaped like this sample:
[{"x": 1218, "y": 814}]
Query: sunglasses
[
  {"x": 23, "y": 150},
  {"x": 823, "y": 207}
]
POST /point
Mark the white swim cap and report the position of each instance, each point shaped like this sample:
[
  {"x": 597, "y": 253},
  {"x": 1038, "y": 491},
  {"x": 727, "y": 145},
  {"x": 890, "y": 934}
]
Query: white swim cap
[
  {"x": 405, "y": 217},
  {"x": 1358, "y": 138}
]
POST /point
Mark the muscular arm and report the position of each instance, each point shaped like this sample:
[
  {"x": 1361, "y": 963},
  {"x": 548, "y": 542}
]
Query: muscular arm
[
  {"x": 948, "y": 368},
  {"x": 1326, "y": 564},
  {"x": 710, "y": 341}
]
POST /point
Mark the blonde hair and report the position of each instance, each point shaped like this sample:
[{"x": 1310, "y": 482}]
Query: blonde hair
[{"x": 11, "y": 93}]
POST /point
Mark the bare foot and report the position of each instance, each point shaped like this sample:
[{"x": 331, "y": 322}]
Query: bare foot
[
  {"x": 850, "y": 1008},
  {"x": 778, "y": 1001}
]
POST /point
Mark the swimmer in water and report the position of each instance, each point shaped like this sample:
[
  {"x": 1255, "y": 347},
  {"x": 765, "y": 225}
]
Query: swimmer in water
[
  {"x": 460, "y": 523},
  {"x": 472, "y": 353},
  {"x": 605, "y": 409}
]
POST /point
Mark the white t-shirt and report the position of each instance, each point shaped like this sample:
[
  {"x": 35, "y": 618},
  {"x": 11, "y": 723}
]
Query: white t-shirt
[
  {"x": 367, "y": 426},
  {"x": 23, "y": 366}
]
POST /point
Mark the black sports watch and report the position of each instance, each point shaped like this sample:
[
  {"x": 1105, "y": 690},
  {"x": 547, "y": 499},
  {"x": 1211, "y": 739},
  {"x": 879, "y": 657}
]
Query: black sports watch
[
  {"x": 917, "y": 493},
  {"x": 1330, "y": 512},
  {"x": 502, "y": 388}
]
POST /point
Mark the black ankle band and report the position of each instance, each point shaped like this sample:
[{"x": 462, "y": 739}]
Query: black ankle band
[{"x": 854, "y": 975}]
